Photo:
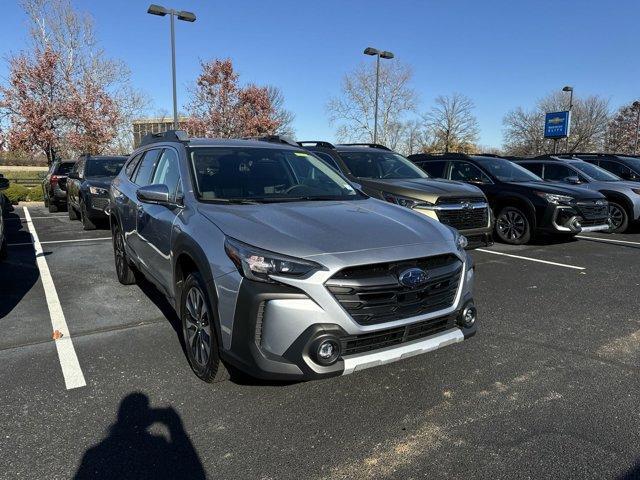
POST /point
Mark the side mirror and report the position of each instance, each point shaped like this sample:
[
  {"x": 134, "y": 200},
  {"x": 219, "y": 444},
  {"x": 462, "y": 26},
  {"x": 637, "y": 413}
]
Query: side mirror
[
  {"x": 62, "y": 183},
  {"x": 4, "y": 183},
  {"x": 157, "y": 194},
  {"x": 574, "y": 180},
  {"x": 630, "y": 176}
]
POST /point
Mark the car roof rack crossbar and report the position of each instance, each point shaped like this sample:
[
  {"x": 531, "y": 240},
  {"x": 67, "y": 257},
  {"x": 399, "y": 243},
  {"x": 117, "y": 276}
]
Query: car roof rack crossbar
[
  {"x": 440, "y": 156},
  {"x": 370, "y": 145},
  {"x": 166, "y": 136},
  {"x": 273, "y": 139},
  {"x": 317, "y": 143}
]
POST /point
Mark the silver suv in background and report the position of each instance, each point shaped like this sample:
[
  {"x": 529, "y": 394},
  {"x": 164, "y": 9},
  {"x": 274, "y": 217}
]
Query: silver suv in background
[
  {"x": 278, "y": 266},
  {"x": 623, "y": 196}
]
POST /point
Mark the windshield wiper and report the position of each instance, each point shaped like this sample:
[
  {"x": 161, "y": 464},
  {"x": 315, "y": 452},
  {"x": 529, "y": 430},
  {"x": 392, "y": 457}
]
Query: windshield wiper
[{"x": 233, "y": 201}]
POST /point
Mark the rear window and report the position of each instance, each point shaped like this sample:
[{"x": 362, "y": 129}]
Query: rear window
[{"x": 64, "y": 168}]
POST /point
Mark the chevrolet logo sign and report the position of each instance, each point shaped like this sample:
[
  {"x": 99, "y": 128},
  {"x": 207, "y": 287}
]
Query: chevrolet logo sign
[{"x": 555, "y": 120}]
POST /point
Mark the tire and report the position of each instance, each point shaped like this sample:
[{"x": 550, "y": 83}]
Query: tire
[
  {"x": 198, "y": 329},
  {"x": 53, "y": 207},
  {"x": 619, "y": 218},
  {"x": 513, "y": 226},
  {"x": 87, "y": 224},
  {"x": 124, "y": 271},
  {"x": 73, "y": 214},
  {"x": 46, "y": 198},
  {"x": 3, "y": 249}
]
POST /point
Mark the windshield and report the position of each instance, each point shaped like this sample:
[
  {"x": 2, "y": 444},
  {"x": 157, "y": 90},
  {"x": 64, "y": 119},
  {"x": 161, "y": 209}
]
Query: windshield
[
  {"x": 380, "y": 164},
  {"x": 104, "y": 167},
  {"x": 265, "y": 175},
  {"x": 507, "y": 171},
  {"x": 595, "y": 172}
]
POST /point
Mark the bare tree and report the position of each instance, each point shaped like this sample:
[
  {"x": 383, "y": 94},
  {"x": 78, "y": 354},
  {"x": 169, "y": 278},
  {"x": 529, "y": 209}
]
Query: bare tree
[
  {"x": 622, "y": 133},
  {"x": 452, "y": 123},
  {"x": 283, "y": 117},
  {"x": 353, "y": 110},
  {"x": 524, "y": 130}
]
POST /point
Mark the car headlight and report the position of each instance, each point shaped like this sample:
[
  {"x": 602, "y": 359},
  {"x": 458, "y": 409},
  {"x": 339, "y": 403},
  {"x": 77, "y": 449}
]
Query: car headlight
[
  {"x": 98, "y": 191},
  {"x": 406, "y": 201},
  {"x": 259, "y": 265},
  {"x": 554, "y": 198}
]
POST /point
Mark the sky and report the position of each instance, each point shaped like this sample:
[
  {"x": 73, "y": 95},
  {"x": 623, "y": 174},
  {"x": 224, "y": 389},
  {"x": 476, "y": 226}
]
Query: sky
[{"x": 500, "y": 53}]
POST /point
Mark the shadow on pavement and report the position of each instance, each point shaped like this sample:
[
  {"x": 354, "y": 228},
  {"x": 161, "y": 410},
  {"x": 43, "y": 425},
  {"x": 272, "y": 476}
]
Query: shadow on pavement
[
  {"x": 18, "y": 272},
  {"x": 131, "y": 451}
]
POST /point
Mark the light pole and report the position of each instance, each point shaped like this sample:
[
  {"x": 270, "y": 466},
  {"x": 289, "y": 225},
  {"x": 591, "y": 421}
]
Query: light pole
[
  {"x": 187, "y": 17},
  {"x": 636, "y": 105},
  {"x": 570, "y": 90},
  {"x": 378, "y": 54}
]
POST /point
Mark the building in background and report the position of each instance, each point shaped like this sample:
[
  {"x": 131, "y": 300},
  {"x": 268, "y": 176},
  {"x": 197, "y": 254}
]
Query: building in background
[{"x": 145, "y": 126}]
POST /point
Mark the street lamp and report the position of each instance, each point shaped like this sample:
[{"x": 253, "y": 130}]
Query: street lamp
[
  {"x": 570, "y": 90},
  {"x": 636, "y": 105},
  {"x": 187, "y": 17},
  {"x": 378, "y": 54}
]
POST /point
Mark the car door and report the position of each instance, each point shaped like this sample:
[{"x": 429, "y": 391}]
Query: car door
[
  {"x": 559, "y": 173},
  {"x": 155, "y": 223},
  {"x": 125, "y": 202},
  {"x": 73, "y": 184},
  {"x": 463, "y": 171}
]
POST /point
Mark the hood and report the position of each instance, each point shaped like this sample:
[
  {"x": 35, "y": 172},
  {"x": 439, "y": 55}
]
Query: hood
[
  {"x": 305, "y": 229},
  {"x": 423, "y": 187},
  {"x": 575, "y": 191}
]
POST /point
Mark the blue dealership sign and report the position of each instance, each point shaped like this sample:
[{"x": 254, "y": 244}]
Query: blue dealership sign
[{"x": 557, "y": 124}]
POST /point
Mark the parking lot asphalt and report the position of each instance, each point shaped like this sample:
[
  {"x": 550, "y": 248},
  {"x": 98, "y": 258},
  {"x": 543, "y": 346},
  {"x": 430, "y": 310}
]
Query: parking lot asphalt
[{"x": 547, "y": 389}]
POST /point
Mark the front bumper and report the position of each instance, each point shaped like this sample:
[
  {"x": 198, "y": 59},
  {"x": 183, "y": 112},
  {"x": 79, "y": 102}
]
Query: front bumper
[
  {"x": 571, "y": 220},
  {"x": 277, "y": 328},
  {"x": 478, "y": 236},
  {"x": 97, "y": 206}
]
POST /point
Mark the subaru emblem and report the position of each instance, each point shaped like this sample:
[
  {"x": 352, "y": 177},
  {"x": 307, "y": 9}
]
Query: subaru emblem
[{"x": 413, "y": 277}]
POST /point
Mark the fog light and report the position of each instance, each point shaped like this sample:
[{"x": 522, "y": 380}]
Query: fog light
[
  {"x": 468, "y": 317},
  {"x": 327, "y": 351}
]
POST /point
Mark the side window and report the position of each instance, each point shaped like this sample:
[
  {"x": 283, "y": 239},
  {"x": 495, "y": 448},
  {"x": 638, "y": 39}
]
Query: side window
[
  {"x": 466, "y": 172},
  {"x": 328, "y": 159},
  {"x": 534, "y": 168},
  {"x": 168, "y": 172},
  {"x": 434, "y": 169},
  {"x": 615, "y": 168},
  {"x": 558, "y": 173},
  {"x": 131, "y": 166},
  {"x": 147, "y": 165}
]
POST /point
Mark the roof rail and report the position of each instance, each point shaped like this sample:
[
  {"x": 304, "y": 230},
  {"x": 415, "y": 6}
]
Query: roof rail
[
  {"x": 166, "y": 136},
  {"x": 316, "y": 143},
  {"x": 437, "y": 156},
  {"x": 273, "y": 139},
  {"x": 370, "y": 145}
]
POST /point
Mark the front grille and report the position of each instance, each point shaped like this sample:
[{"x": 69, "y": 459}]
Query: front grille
[
  {"x": 372, "y": 294},
  {"x": 589, "y": 210},
  {"x": 394, "y": 336},
  {"x": 99, "y": 203},
  {"x": 464, "y": 219},
  {"x": 460, "y": 200},
  {"x": 593, "y": 222}
]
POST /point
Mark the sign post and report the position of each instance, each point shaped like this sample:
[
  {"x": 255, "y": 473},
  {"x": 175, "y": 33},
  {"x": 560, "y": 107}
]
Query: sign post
[{"x": 557, "y": 125}]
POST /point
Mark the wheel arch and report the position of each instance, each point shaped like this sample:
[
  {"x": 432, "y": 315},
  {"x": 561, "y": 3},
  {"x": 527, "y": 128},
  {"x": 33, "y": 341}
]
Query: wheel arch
[
  {"x": 620, "y": 198},
  {"x": 517, "y": 201}
]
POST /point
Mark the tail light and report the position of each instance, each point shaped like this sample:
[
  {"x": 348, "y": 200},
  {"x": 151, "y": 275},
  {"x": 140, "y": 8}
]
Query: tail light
[{"x": 54, "y": 179}]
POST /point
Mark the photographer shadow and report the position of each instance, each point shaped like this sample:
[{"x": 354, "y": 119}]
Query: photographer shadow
[{"x": 131, "y": 451}]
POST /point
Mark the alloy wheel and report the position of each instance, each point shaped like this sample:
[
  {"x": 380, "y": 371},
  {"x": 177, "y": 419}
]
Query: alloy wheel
[
  {"x": 511, "y": 225},
  {"x": 617, "y": 215},
  {"x": 120, "y": 255},
  {"x": 198, "y": 326}
]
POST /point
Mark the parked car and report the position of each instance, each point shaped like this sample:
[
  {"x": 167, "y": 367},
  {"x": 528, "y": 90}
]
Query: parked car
[
  {"x": 623, "y": 196},
  {"x": 88, "y": 188},
  {"x": 522, "y": 202},
  {"x": 623, "y": 166},
  {"x": 387, "y": 175},
  {"x": 4, "y": 184},
  {"x": 55, "y": 197},
  {"x": 278, "y": 266}
]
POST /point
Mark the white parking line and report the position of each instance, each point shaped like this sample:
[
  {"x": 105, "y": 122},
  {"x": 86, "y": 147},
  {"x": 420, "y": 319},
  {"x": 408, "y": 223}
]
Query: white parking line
[
  {"x": 530, "y": 259},
  {"x": 61, "y": 241},
  {"x": 35, "y": 218},
  {"x": 73, "y": 376},
  {"x": 608, "y": 240}
]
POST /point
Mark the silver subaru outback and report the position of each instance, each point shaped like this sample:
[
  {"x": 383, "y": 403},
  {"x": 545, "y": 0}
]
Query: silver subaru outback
[{"x": 280, "y": 267}]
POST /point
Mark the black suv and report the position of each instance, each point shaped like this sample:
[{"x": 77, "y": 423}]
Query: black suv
[
  {"x": 522, "y": 202},
  {"x": 625, "y": 167},
  {"x": 54, "y": 195},
  {"x": 88, "y": 188},
  {"x": 387, "y": 175}
]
